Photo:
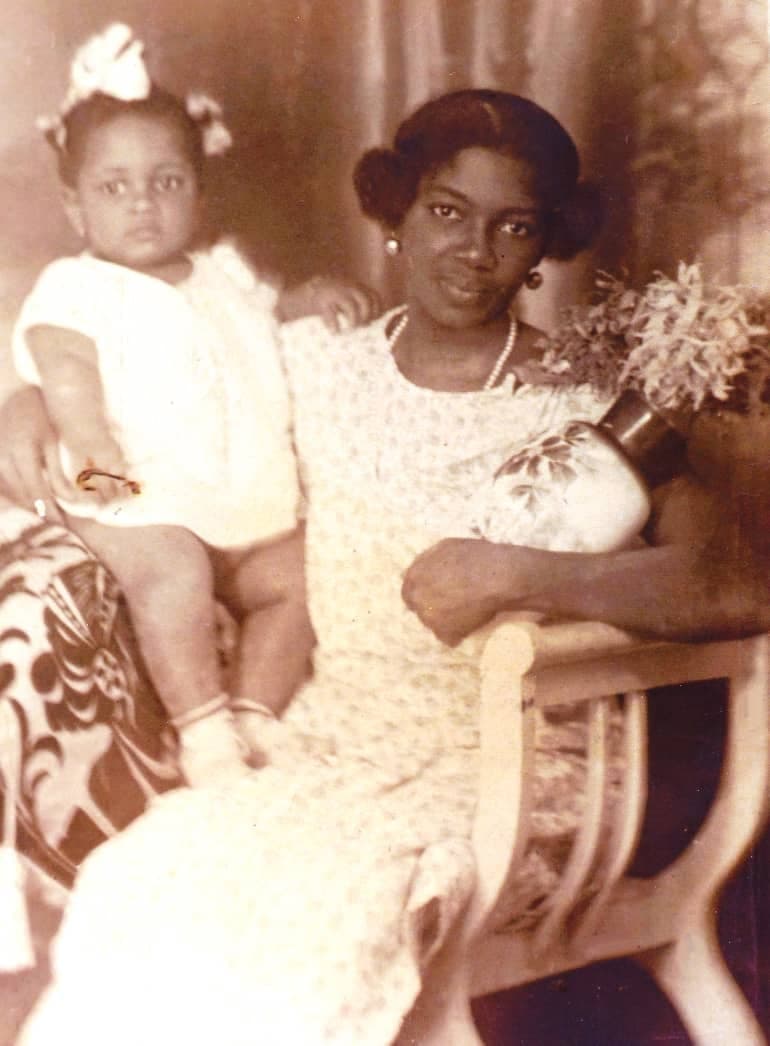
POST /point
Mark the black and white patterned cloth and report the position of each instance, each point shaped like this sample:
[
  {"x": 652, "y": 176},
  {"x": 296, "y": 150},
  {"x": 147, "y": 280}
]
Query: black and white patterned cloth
[{"x": 89, "y": 730}]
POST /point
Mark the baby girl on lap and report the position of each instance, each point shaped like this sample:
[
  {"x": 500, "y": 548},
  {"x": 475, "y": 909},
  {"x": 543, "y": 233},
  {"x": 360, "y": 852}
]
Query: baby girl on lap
[{"x": 159, "y": 366}]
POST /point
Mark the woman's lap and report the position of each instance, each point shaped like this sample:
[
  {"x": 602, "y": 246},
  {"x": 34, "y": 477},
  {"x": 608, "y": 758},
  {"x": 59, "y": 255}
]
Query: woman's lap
[
  {"x": 298, "y": 890},
  {"x": 336, "y": 859}
]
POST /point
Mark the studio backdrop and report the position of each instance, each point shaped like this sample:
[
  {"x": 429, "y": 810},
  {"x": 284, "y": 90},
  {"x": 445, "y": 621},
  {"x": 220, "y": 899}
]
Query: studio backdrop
[{"x": 667, "y": 100}]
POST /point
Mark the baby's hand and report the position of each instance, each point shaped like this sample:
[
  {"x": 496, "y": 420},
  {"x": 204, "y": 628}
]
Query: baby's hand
[
  {"x": 340, "y": 303},
  {"x": 101, "y": 472}
]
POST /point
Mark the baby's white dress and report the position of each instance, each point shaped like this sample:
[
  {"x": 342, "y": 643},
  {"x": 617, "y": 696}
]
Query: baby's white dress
[
  {"x": 193, "y": 386},
  {"x": 288, "y": 908}
]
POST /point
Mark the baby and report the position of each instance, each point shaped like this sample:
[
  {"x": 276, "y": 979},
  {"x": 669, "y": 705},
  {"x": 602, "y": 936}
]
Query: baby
[{"x": 158, "y": 362}]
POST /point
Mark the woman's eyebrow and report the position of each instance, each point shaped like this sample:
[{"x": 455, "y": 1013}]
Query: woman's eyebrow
[
  {"x": 449, "y": 191},
  {"x": 438, "y": 187}
]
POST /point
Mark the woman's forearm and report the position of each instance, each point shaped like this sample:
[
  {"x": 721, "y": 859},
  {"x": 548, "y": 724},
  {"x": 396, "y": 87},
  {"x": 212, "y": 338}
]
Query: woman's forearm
[{"x": 675, "y": 591}]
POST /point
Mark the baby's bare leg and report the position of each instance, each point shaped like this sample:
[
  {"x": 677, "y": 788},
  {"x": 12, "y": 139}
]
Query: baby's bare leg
[
  {"x": 266, "y": 589},
  {"x": 167, "y": 579}
]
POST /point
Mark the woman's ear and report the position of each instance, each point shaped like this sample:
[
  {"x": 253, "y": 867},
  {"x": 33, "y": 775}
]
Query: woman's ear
[{"x": 73, "y": 210}]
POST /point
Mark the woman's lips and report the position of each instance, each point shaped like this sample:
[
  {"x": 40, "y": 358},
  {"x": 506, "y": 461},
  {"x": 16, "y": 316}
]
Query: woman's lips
[{"x": 463, "y": 293}]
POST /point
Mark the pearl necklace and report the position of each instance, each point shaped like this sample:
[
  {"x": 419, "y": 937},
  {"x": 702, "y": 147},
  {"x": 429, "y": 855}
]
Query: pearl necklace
[{"x": 500, "y": 362}]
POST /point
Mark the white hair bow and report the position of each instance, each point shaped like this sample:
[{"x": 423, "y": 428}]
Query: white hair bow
[
  {"x": 112, "y": 63},
  {"x": 208, "y": 113}
]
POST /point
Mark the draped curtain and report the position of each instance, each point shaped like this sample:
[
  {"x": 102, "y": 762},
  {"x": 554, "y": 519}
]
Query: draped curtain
[
  {"x": 668, "y": 103},
  {"x": 700, "y": 170},
  {"x": 666, "y": 99},
  {"x": 351, "y": 69}
]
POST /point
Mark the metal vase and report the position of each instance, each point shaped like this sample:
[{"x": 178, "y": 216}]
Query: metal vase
[{"x": 646, "y": 438}]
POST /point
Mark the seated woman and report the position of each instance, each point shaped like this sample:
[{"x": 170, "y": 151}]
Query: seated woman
[{"x": 304, "y": 903}]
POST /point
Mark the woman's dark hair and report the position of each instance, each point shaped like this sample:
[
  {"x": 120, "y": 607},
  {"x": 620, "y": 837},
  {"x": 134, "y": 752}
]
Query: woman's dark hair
[
  {"x": 99, "y": 109},
  {"x": 387, "y": 180}
]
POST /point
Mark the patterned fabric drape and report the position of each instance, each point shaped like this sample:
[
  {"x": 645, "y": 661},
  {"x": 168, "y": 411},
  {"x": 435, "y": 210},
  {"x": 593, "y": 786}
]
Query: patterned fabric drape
[{"x": 88, "y": 750}]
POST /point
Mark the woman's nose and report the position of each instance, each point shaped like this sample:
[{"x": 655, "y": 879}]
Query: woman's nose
[{"x": 477, "y": 246}]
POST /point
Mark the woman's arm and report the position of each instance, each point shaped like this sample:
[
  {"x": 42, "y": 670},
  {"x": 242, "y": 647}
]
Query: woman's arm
[
  {"x": 718, "y": 585},
  {"x": 674, "y": 592},
  {"x": 30, "y": 469}
]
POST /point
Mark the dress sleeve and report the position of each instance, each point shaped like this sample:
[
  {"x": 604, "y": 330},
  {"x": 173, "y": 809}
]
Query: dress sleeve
[
  {"x": 309, "y": 359},
  {"x": 61, "y": 297},
  {"x": 302, "y": 345},
  {"x": 262, "y": 292}
]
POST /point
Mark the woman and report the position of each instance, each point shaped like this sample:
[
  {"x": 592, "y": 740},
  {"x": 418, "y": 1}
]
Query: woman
[{"x": 304, "y": 904}]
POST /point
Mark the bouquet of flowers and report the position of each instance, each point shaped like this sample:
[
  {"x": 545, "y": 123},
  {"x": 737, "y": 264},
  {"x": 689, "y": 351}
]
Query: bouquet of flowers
[
  {"x": 681, "y": 361},
  {"x": 683, "y": 344}
]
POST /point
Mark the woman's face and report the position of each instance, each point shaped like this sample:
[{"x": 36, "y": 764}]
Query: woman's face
[{"x": 471, "y": 236}]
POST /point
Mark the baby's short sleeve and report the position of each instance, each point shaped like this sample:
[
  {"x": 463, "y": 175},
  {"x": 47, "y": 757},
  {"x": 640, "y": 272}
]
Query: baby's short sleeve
[
  {"x": 63, "y": 296},
  {"x": 262, "y": 293}
]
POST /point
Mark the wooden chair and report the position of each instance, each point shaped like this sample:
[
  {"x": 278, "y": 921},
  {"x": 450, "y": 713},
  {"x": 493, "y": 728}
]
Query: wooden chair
[{"x": 666, "y": 923}]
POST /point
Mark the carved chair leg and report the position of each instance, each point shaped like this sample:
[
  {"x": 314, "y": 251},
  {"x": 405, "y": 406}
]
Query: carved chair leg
[
  {"x": 442, "y": 1014},
  {"x": 693, "y": 974}
]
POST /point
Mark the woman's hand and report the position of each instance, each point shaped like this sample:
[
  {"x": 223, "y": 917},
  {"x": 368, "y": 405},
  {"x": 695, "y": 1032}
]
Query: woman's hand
[
  {"x": 459, "y": 585},
  {"x": 339, "y": 303},
  {"x": 30, "y": 470}
]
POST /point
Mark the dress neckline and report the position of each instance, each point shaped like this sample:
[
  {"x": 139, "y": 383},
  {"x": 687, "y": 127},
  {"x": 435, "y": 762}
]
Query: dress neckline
[
  {"x": 144, "y": 276},
  {"x": 507, "y": 387}
]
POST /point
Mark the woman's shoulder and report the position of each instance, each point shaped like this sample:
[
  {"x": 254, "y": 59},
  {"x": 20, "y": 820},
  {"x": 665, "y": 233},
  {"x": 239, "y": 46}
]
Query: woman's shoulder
[
  {"x": 316, "y": 357},
  {"x": 310, "y": 336}
]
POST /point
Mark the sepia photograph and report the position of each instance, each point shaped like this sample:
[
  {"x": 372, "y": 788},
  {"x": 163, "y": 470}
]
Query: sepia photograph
[{"x": 385, "y": 523}]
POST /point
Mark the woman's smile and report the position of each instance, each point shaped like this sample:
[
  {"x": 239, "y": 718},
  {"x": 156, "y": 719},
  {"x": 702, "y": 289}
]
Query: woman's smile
[{"x": 466, "y": 292}]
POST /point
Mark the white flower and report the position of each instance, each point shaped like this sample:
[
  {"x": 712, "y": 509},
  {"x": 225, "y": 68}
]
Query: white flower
[{"x": 110, "y": 62}]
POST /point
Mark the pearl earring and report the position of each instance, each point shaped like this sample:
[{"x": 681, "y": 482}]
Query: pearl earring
[
  {"x": 392, "y": 246},
  {"x": 534, "y": 279}
]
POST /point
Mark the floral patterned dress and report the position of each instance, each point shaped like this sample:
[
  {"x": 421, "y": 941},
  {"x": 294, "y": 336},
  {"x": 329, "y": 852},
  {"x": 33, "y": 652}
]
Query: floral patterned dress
[{"x": 298, "y": 905}]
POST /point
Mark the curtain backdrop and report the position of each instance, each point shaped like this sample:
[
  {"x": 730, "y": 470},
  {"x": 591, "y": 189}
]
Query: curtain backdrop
[{"x": 667, "y": 100}]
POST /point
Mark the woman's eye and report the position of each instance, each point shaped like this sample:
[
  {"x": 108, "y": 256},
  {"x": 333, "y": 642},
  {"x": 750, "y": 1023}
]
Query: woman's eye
[
  {"x": 517, "y": 228},
  {"x": 114, "y": 187},
  {"x": 447, "y": 211}
]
